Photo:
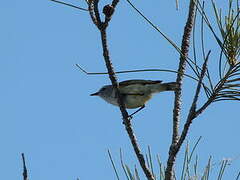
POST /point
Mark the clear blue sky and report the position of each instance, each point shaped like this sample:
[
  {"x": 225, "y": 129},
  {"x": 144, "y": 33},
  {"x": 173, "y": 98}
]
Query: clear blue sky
[{"x": 46, "y": 110}]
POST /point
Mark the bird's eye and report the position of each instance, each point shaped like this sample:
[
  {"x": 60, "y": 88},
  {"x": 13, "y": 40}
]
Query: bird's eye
[{"x": 103, "y": 89}]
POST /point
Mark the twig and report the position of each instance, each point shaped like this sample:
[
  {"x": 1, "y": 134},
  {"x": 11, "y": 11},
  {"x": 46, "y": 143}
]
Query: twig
[
  {"x": 114, "y": 3},
  {"x": 112, "y": 75},
  {"x": 142, "y": 70},
  {"x": 135, "y": 70},
  {"x": 91, "y": 12},
  {"x": 203, "y": 49},
  {"x": 188, "y": 60},
  {"x": 178, "y": 93},
  {"x": 25, "y": 173},
  {"x": 108, "y": 11},
  {"x": 96, "y": 12},
  {"x": 192, "y": 112},
  {"x": 70, "y": 5}
]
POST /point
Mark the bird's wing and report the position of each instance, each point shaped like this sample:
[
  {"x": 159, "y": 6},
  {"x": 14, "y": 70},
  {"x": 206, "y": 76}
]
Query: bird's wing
[
  {"x": 133, "y": 94},
  {"x": 137, "y": 81},
  {"x": 136, "y": 87}
]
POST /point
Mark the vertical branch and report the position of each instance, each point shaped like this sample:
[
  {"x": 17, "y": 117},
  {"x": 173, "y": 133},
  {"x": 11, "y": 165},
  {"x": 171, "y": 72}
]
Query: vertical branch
[
  {"x": 108, "y": 10},
  {"x": 112, "y": 75},
  {"x": 91, "y": 12},
  {"x": 25, "y": 174},
  {"x": 192, "y": 112},
  {"x": 178, "y": 93},
  {"x": 97, "y": 15},
  {"x": 114, "y": 3}
]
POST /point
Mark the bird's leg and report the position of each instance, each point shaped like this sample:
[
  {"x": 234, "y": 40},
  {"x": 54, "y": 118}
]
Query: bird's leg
[{"x": 136, "y": 111}]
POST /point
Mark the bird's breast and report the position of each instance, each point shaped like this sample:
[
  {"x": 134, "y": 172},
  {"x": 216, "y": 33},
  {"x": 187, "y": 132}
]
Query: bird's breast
[{"x": 135, "y": 101}]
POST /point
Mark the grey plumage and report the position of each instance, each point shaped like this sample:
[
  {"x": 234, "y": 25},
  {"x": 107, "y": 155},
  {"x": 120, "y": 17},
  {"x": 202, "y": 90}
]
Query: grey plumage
[{"x": 135, "y": 92}]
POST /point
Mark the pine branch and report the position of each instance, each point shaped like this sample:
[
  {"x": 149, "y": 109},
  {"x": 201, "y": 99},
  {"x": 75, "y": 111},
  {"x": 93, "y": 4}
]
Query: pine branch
[{"x": 169, "y": 175}]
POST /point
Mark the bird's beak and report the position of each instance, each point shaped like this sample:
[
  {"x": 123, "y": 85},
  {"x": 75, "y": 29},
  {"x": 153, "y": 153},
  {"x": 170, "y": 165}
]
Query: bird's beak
[{"x": 94, "y": 94}]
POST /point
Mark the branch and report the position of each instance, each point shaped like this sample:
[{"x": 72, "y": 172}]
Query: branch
[
  {"x": 70, "y": 5},
  {"x": 114, "y": 3},
  {"x": 178, "y": 93},
  {"x": 188, "y": 60},
  {"x": 192, "y": 112},
  {"x": 223, "y": 90},
  {"x": 108, "y": 10},
  {"x": 112, "y": 75},
  {"x": 91, "y": 12},
  {"x": 25, "y": 174},
  {"x": 97, "y": 15},
  {"x": 207, "y": 90},
  {"x": 136, "y": 70}
]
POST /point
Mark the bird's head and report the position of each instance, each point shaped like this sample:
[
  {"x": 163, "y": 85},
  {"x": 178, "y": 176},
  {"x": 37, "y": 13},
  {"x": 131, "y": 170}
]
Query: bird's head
[{"x": 104, "y": 92}]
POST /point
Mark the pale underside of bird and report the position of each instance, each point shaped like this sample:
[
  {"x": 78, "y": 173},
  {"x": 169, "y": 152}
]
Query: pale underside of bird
[{"x": 135, "y": 93}]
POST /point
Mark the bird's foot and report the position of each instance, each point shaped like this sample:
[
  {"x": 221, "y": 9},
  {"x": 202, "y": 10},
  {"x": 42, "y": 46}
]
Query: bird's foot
[{"x": 129, "y": 118}]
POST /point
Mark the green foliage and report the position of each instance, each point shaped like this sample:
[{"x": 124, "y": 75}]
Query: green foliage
[{"x": 229, "y": 28}]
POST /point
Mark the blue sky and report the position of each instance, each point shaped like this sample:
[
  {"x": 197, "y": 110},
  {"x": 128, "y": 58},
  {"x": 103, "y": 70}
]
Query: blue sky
[{"x": 46, "y": 110}]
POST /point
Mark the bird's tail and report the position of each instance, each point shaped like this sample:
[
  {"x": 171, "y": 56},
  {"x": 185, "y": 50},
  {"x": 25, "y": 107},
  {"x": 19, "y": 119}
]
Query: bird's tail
[{"x": 171, "y": 86}]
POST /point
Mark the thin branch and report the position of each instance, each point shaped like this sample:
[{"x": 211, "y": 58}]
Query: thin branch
[
  {"x": 214, "y": 96},
  {"x": 70, "y": 5},
  {"x": 114, "y": 3},
  {"x": 154, "y": 26},
  {"x": 200, "y": 10},
  {"x": 188, "y": 60},
  {"x": 192, "y": 111},
  {"x": 206, "y": 104},
  {"x": 178, "y": 93},
  {"x": 203, "y": 49},
  {"x": 25, "y": 173},
  {"x": 112, "y": 75},
  {"x": 194, "y": 45},
  {"x": 91, "y": 12},
  {"x": 135, "y": 70},
  {"x": 181, "y": 70},
  {"x": 207, "y": 90},
  {"x": 96, "y": 12}
]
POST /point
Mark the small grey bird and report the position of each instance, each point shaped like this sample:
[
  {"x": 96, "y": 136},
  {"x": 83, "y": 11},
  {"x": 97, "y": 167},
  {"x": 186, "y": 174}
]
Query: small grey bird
[{"x": 135, "y": 92}]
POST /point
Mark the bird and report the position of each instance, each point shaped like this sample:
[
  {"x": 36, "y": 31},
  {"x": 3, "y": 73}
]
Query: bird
[{"x": 135, "y": 93}]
